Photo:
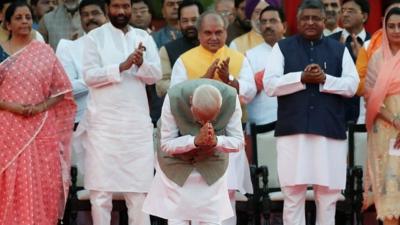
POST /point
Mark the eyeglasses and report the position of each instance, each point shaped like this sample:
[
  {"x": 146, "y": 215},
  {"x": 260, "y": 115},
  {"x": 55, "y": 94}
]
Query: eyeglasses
[
  {"x": 139, "y": 11},
  {"x": 226, "y": 13}
]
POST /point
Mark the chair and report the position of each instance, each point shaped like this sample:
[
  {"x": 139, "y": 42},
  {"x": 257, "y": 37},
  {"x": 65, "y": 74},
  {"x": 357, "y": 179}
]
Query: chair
[
  {"x": 78, "y": 200},
  {"x": 272, "y": 197}
]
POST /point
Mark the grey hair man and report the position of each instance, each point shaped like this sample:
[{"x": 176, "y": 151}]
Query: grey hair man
[
  {"x": 195, "y": 139},
  {"x": 311, "y": 75}
]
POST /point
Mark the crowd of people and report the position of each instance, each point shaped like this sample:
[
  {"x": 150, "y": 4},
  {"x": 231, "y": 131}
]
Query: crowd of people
[{"x": 160, "y": 116}]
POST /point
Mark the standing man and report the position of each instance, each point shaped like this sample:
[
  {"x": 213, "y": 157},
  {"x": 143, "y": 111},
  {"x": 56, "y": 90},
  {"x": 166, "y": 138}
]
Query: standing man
[
  {"x": 354, "y": 16},
  {"x": 332, "y": 9},
  {"x": 141, "y": 15},
  {"x": 262, "y": 109},
  {"x": 170, "y": 31},
  {"x": 200, "y": 125},
  {"x": 62, "y": 22},
  {"x": 116, "y": 132},
  {"x": 311, "y": 74},
  {"x": 70, "y": 53},
  {"x": 213, "y": 60},
  {"x": 188, "y": 13},
  {"x": 241, "y": 24}
]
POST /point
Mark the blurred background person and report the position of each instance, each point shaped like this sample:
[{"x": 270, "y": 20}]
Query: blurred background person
[
  {"x": 227, "y": 9},
  {"x": 141, "y": 15},
  {"x": 332, "y": 10},
  {"x": 62, "y": 23},
  {"x": 188, "y": 13},
  {"x": 170, "y": 31},
  {"x": 41, "y": 7},
  {"x": 241, "y": 24},
  {"x": 253, "y": 37}
]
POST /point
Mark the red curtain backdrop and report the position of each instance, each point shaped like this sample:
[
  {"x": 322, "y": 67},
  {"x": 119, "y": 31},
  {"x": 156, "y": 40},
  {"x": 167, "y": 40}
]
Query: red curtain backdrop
[{"x": 373, "y": 23}]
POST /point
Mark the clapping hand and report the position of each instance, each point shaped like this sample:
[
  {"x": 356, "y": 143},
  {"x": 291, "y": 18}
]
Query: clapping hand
[
  {"x": 211, "y": 70},
  {"x": 135, "y": 58},
  {"x": 223, "y": 70}
]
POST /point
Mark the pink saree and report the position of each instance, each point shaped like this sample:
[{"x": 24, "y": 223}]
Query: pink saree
[{"x": 34, "y": 151}]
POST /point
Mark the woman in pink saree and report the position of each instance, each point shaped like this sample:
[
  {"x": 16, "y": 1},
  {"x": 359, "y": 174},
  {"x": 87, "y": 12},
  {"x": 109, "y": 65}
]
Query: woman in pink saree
[
  {"x": 383, "y": 122},
  {"x": 36, "y": 119}
]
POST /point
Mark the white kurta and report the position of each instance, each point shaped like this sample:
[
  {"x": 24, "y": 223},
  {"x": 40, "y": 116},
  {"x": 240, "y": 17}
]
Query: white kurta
[
  {"x": 195, "y": 200},
  {"x": 304, "y": 158},
  {"x": 116, "y": 131},
  {"x": 70, "y": 54},
  {"x": 238, "y": 167},
  {"x": 262, "y": 109}
]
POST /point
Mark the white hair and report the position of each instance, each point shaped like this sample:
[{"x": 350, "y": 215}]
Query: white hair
[{"x": 206, "y": 98}]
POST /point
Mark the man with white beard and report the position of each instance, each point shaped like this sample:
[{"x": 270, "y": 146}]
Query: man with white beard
[{"x": 62, "y": 23}]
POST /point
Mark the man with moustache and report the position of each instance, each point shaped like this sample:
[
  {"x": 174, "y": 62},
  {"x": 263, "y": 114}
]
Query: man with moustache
[
  {"x": 332, "y": 8},
  {"x": 188, "y": 13},
  {"x": 310, "y": 74},
  {"x": 354, "y": 16},
  {"x": 116, "y": 131},
  {"x": 253, "y": 37},
  {"x": 61, "y": 23},
  {"x": 70, "y": 53},
  {"x": 262, "y": 109},
  {"x": 241, "y": 25},
  {"x": 213, "y": 60}
]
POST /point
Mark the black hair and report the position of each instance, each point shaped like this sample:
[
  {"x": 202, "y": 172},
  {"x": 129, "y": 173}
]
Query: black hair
[
  {"x": 386, "y": 4},
  {"x": 109, "y": 1},
  {"x": 187, "y": 3},
  {"x": 3, "y": 2},
  {"x": 11, "y": 11},
  {"x": 237, "y": 3},
  {"x": 13, "y": 7},
  {"x": 279, "y": 10},
  {"x": 364, "y": 5},
  {"x": 392, "y": 11},
  {"x": 311, "y": 4},
  {"x": 100, "y": 3}
]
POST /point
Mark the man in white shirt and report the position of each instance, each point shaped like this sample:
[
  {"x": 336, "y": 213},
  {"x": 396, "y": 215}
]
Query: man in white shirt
[
  {"x": 116, "y": 131},
  {"x": 213, "y": 60},
  {"x": 311, "y": 75},
  {"x": 262, "y": 109},
  {"x": 190, "y": 183},
  {"x": 70, "y": 53}
]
